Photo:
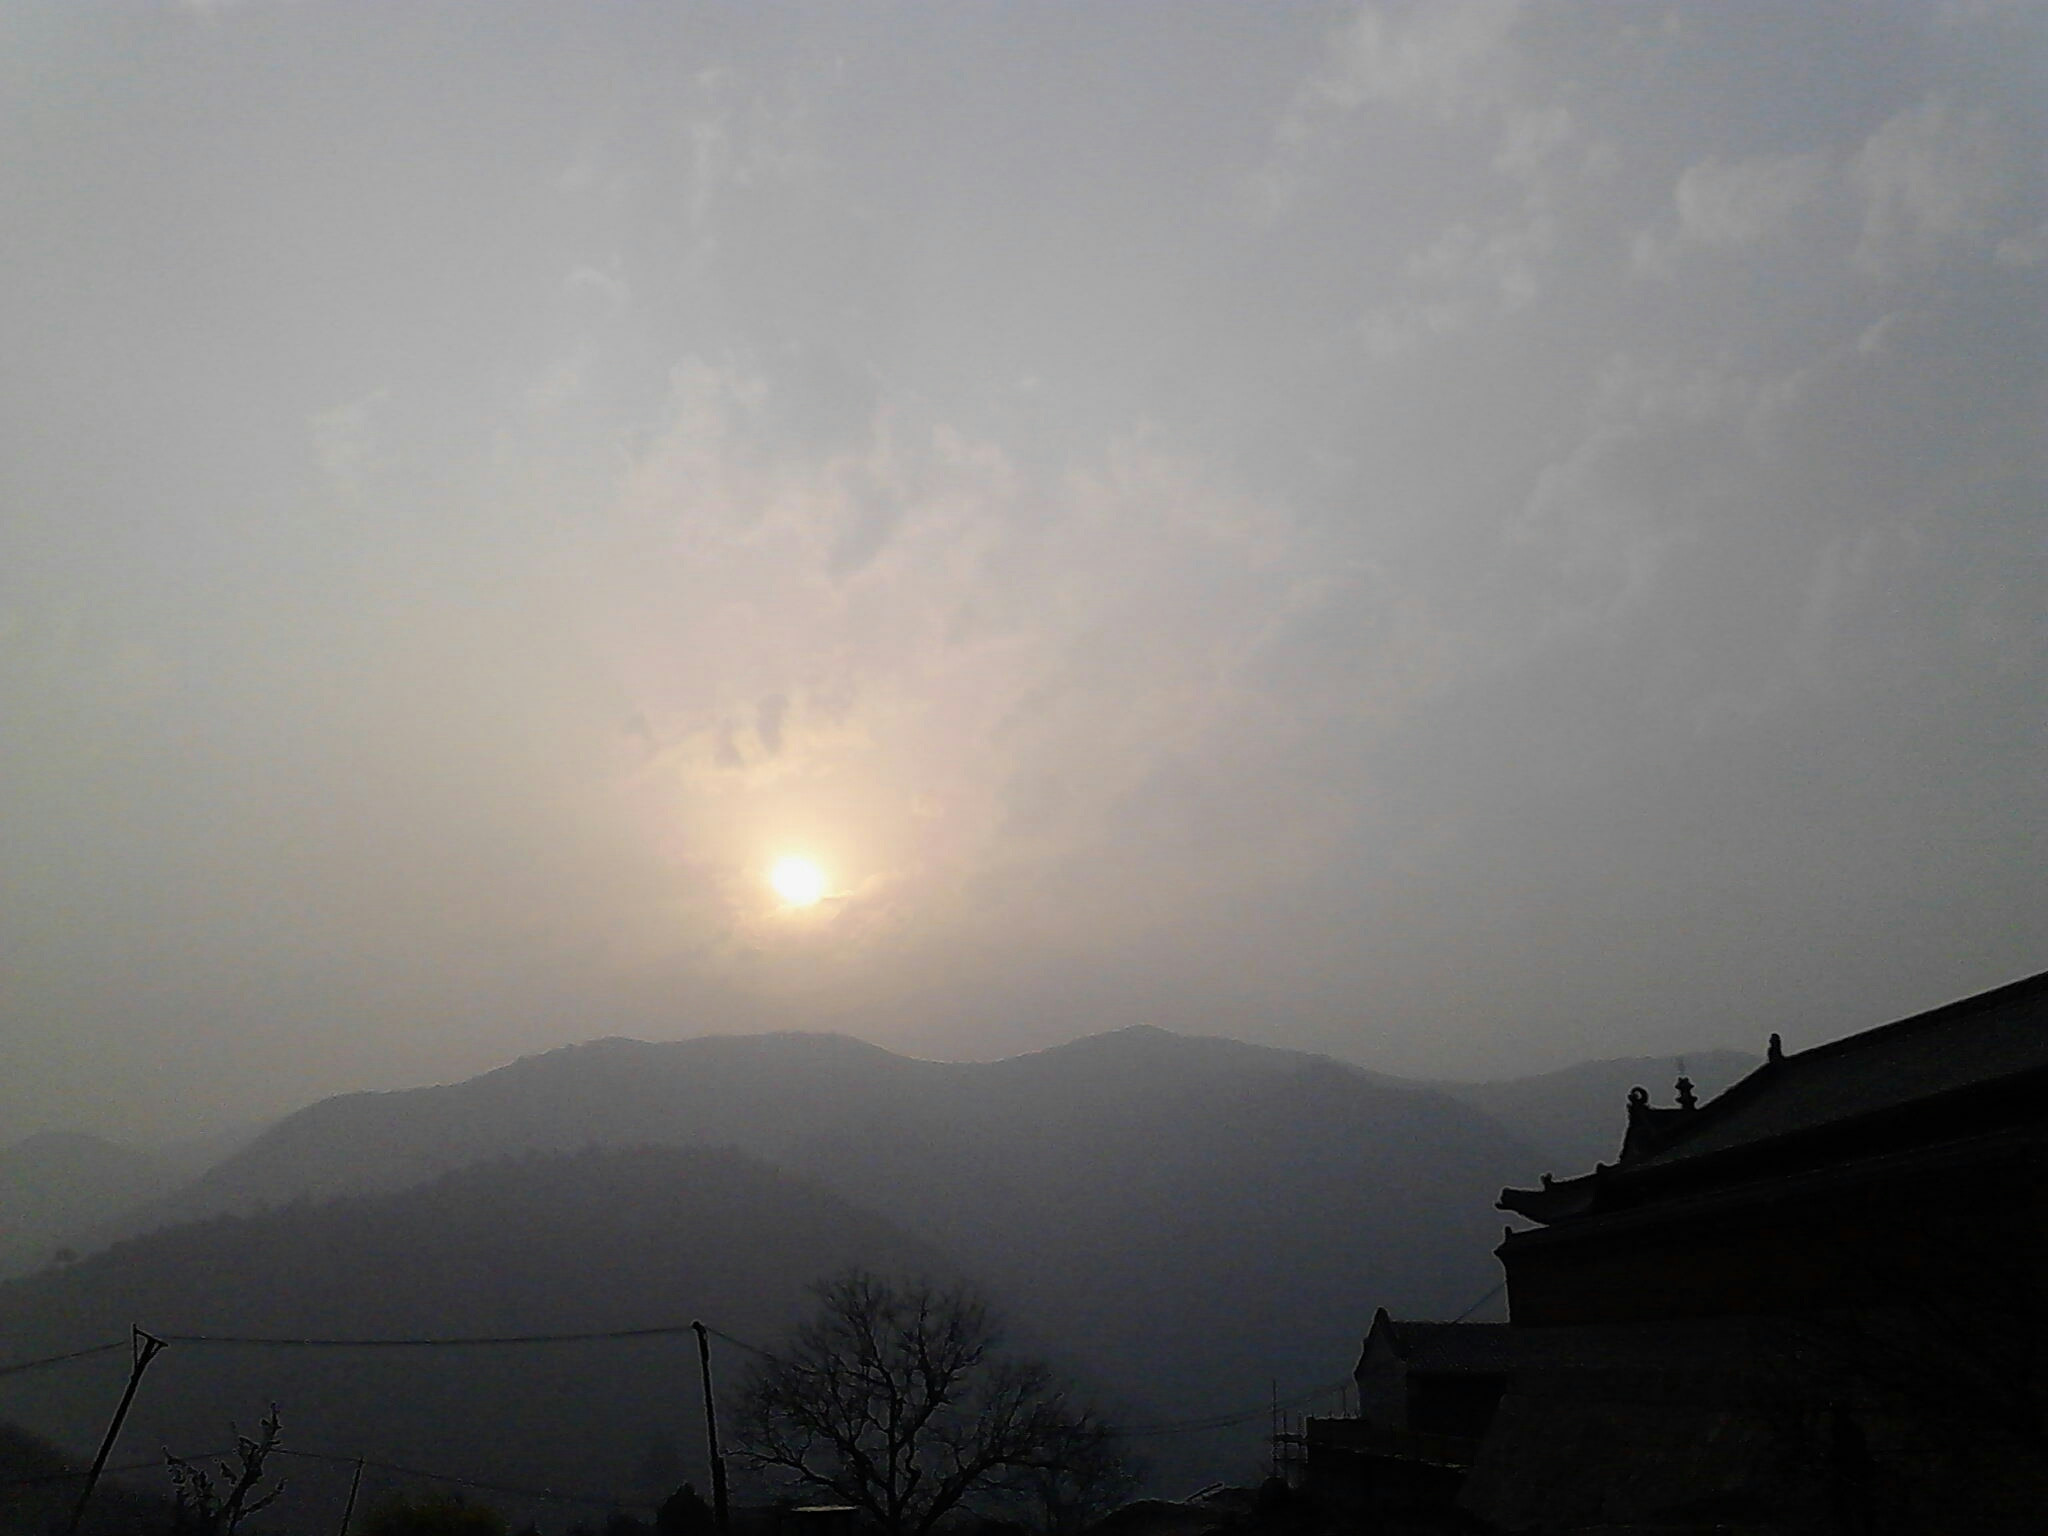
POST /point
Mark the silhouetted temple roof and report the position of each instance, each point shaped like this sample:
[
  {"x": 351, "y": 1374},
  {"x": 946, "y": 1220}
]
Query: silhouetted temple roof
[
  {"x": 1981, "y": 1039},
  {"x": 1994, "y": 1045}
]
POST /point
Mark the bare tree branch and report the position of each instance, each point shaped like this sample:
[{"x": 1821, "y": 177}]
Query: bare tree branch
[
  {"x": 200, "y": 1509},
  {"x": 894, "y": 1398}
]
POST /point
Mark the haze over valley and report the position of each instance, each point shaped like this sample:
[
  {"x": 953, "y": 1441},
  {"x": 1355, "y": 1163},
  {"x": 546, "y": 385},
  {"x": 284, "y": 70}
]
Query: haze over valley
[{"x": 1186, "y": 1220}]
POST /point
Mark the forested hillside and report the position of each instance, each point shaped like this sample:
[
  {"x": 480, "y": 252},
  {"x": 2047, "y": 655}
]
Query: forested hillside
[
  {"x": 1188, "y": 1220},
  {"x": 558, "y": 1243}
]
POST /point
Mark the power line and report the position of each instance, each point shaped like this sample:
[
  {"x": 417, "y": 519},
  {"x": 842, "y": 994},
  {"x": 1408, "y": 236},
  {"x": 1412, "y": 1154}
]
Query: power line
[
  {"x": 134, "y": 1466},
  {"x": 610, "y": 1501},
  {"x": 480, "y": 1341},
  {"x": 466, "y": 1341},
  {"x": 1232, "y": 1419},
  {"x": 76, "y": 1354},
  {"x": 461, "y": 1342},
  {"x": 1248, "y": 1415},
  {"x": 421, "y": 1342},
  {"x": 752, "y": 1349},
  {"x": 671, "y": 1330},
  {"x": 1482, "y": 1301},
  {"x": 77, "y": 1473}
]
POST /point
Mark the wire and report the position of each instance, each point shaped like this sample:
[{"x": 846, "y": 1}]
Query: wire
[
  {"x": 477, "y": 1341},
  {"x": 76, "y": 1354},
  {"x": 1482, "y": 1301},
  {"x": 1177, "y": 1427},
  {"x": 610, "y": 1501},
  {"x": 133, "y": 1466},
  {"x": 752, "y": 1349},
  {"x": 1240, "y": 1416},
  {"x": 1249, "y": 1415}
]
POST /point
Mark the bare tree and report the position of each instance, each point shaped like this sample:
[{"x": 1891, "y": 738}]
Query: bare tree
[
  {"x": 1095, "y": 1476},
  {"x": 896, "y": 1399},
  {"x": 207, "y": 1505}
]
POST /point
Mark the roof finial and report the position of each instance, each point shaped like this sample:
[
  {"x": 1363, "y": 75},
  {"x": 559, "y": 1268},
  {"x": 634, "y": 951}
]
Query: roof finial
[
  {"x": 1686, "y": 1100},
  {"x": 1776, "y": 1049},
  {"x": 1638, "y": 1097}
]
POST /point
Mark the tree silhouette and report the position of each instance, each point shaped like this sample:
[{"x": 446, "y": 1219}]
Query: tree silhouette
[
  {"x": 895, "y": 1398},
  {"x": 215, "y": 1504}
]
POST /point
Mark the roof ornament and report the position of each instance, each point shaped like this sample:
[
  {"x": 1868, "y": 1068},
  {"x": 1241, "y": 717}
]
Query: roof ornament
[
  {"x": 1775, "y": 1051},
  {"x": 1686, "y": 1097},
  {"x": 1638, "y": 1098},
  {"x": 1548, "y": 1180}
]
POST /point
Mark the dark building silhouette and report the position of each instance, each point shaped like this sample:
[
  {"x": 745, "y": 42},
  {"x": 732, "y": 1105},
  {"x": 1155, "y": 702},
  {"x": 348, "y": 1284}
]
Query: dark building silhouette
[
  {"x": 1433, "y": 1378},
  {"x": 1814, "y": 1304},
  {"x": 1867, "y": 1171},
  {"x": 1426, "y": 1395}
]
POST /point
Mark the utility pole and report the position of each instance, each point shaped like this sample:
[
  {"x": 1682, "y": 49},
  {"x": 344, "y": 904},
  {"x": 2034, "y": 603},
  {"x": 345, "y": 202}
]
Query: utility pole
[
  {"x": 720, "y": 1510},
  {"x": 353, "y": 1484},
  {"x": 145, "y": 1347},
  {"x": 1273, "y": 1429}
]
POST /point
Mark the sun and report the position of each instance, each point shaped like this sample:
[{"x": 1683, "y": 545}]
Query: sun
[{"x": 799, "y": 882}]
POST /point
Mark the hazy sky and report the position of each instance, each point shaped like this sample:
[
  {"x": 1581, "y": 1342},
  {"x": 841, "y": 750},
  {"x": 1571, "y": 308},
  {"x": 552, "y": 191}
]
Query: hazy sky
[{"x": 1465, "y": 535}]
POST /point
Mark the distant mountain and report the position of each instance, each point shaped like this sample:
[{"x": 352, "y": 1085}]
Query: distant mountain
[
  {"x": 57, "y": 1183},
  {"x": 67, "y": 1189},
  {"x": 1193, "y": 1218},
  {"x": 566, "y": 1242},
  {"x": 761, "y": 1092},
  {"x": 1576, "y": 1116}
]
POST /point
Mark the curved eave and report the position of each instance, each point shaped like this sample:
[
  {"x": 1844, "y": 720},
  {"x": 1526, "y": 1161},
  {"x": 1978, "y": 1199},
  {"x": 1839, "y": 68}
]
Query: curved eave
[{"x": 1555, "y": 1201}]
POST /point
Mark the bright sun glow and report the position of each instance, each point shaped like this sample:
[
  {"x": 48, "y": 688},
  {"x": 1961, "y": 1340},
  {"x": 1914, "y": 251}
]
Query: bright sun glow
[{"x": 799, "y": 882}]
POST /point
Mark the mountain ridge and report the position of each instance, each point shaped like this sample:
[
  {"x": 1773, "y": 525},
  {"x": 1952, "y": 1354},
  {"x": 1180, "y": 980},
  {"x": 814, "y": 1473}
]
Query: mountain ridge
[
  {"x": 374, "y": 1139},
  {"x": 391, "y": 1137},
  {"x": 1191, "y": 1217}
]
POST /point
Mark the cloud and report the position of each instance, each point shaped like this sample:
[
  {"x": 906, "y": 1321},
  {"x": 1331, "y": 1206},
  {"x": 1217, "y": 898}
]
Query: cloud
[
  {"x": 1729, "y": 206},
  {"x": 2019, "y": 252},
  {"x": 1466, "y": 277},
  {"x": 979, "y": 698},
  {"x": 1395, "y": 331},
  {"x": 1445, "y": 63},
  {"x": 1441, "y": 60},
  {"x": 434, "y": 584},
  {"x": 604, "y": 291},
  {"x": 768, "y": 717},
  {"x": 739, "y": 138},
  {"x": 1463, "y": 82},
  {"x": 212, "y": 10},
  {"x": 1935, "y": 177},
  {"x": 347, "y": 444},
  {"x": 1661, "y": 446}
]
